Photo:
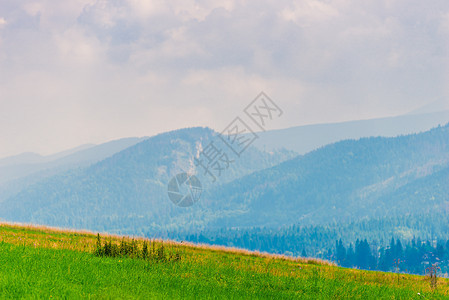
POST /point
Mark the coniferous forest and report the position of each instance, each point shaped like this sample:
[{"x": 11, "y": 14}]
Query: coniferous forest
[{"x": 408, "y": 244}]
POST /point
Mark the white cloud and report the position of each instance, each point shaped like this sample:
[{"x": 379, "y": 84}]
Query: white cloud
[
  {"x": 104, "y": 69},
  {"x": 307, "y": 13},
  {"x": 75, "y": 48}
]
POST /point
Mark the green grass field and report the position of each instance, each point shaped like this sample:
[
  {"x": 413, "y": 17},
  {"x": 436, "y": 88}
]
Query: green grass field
[{"x": 45, "y": 263}]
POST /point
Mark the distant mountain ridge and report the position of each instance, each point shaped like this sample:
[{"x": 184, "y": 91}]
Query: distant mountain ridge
[
  {"x": 25, "y": 164},
  {"x": 20, "y": 171},
  {"x": 35, "y": 158},
  {"x": 303, "y": 139}
]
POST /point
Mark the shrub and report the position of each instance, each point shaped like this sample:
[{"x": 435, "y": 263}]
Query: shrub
[{"x": 132, "y": 249}]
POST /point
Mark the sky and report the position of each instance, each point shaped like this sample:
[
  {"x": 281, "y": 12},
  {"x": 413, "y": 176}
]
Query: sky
[{"x": 80, "y": 71}]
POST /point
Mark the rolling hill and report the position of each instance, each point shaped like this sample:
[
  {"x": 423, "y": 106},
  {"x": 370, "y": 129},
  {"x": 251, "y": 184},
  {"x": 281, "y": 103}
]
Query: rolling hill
[{"x": 48, "y": 263}]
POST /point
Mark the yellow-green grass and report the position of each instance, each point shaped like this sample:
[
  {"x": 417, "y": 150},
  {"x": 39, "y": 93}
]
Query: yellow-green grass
[{"x": 44, "y": 262}]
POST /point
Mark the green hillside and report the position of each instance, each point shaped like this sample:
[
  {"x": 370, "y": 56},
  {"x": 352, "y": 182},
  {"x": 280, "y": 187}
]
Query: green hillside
[{"x": 46, "y": 263}]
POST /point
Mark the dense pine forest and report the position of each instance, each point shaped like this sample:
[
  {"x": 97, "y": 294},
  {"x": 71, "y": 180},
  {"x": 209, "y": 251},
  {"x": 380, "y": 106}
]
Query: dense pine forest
[
  {"x": 408, "y": 244},
  {"x": 413, "y": 257}
]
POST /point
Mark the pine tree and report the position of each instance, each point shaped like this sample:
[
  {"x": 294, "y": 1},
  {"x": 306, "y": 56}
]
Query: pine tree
[
  {"x": 341, "y": 253},
  {"x": 398, "y": 253}
]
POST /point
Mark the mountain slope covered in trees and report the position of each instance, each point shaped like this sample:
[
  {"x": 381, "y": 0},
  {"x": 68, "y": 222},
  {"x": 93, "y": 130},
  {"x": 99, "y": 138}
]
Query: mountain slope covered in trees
[
  {"x": 128, "y": 191},
  {"x": 348, "y": 180}
]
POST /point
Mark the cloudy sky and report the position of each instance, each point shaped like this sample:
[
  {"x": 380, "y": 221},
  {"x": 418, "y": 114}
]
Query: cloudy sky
[{"x": 87, "y": 71}]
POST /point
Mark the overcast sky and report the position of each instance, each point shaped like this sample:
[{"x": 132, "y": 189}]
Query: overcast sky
[{"x": 75, "y": 72}]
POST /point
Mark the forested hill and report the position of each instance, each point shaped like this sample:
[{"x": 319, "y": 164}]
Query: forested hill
[
  {"x": 348, "y": 180},
  {"x": 127, "y": 192}
]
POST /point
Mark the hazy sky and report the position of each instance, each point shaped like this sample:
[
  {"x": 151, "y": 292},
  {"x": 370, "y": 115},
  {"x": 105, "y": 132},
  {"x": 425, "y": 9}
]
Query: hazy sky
[{"x": 74, "y": 72}]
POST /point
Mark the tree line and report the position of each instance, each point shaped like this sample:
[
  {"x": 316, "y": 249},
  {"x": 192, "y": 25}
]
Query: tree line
[{"x": 412, "y": 257}]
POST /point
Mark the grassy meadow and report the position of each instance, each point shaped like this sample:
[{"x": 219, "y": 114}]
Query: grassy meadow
[{"x": 38, "y": 262}]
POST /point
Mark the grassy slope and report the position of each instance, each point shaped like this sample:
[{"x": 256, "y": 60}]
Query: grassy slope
[{"x": 48, "y": 263}]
